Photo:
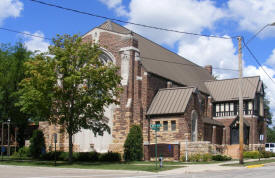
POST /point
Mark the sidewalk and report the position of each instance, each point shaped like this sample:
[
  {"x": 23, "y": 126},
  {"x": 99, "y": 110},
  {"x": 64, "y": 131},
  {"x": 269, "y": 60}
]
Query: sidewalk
[{"x": 193, "y": 168}]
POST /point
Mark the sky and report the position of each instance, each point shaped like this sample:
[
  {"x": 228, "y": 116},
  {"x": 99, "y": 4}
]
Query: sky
[{"x": 212, "y": 17}]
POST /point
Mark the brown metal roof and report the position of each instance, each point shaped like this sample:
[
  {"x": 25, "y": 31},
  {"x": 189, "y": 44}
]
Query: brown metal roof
[
  {"x": 170, "y": 101},
  {"x": 207, "y": 120},
  {"x": 224, "y": 90},
  {"x": 160, "y": 61}
]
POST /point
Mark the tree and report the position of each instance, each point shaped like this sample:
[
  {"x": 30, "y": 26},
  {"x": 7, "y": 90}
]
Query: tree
[
  {"x": 70, "y": 86},
  {"x": 133, "y": 146},
  {"x": 37, "y": 144},
  {"x": 270, "y": 134},
  {"x": 267, "y": 114},
  {"x": 12, "y": 59}
]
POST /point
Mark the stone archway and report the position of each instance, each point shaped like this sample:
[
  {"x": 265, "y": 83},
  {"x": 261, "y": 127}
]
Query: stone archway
[{"x": 194, "y": 126}]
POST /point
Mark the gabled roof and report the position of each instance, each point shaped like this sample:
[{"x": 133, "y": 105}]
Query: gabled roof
[
  {"x": 226, "y": 90},
  {"x": 170, "y": 101},
  {"x": 162, "y": 62}
]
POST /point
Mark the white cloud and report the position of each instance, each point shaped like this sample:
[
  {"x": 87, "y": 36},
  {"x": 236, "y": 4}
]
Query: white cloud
[
  {"x": 219, "y": 53},
  {"x": 116, "y": 5},
  {"x": 270, "y": 90},
  {"x": 252, "y": 15},
  {"x": 10, "y": 8},
  {"x": 187, "y": 15},
  {"x": 36, "y": 44},
  {"x": 271, "y": 60}
]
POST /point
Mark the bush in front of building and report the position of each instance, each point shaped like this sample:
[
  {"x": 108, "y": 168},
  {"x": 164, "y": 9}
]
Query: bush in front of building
[
  {"x": 251, "y": 154},
  {"x": 198, "y": 157},
  {"x": 266, "y": 154},
  {"x": 23, "y": 152},
  {"x": 82, "y": 156},
  {"x": 133, "y": 146},
  {"x": 109, "y": 157},
  {"x": 37, "y": 144},
  {"x": 221, "y": 158}
]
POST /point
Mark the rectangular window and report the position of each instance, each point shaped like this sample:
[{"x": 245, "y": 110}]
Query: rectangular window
[
  {"x": 157, "y": 122},
  {"x": 231, "y": 109},
  {"x": 173, "y": 125},
  {"x": 165, "y": 125},
  {"x": 217, "y": 108},
  {"x": 226, "y": 106},
  {"x": 271, "y": 145}
]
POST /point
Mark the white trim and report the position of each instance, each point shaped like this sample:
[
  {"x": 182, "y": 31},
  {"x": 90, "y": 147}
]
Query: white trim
[
  {"x": 129, "y": 48},
  {"x": 109, "y": 54},
  {"x": 139, "y": 78}
]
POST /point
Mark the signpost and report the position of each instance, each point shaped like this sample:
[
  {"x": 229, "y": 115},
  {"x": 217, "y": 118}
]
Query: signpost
[
  {"x": 55, "y": 141},
  {"x": 156, "y": 127},
  {"x": 260, "y": 148}
]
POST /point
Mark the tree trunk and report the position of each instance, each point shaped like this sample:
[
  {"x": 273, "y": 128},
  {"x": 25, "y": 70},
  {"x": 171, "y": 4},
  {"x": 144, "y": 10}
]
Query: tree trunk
[{"x": 70, "y": 147}]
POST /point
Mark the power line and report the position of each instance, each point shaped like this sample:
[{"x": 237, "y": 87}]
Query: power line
[
  {"x": 24, "y": 33},
  {"x": 257, "y": 61},
  {"x": 144, "y": 57},
  {"x": 132, "y": 23}
]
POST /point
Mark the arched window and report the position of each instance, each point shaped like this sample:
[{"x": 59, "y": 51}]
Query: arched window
[
  {"x": 194, "y": 126},
  {"x": 106, "y": 56}
]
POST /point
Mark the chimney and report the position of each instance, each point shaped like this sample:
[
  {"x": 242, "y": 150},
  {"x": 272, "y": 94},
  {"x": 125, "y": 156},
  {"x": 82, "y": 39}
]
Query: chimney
[
  {"x": 169, "y": 84},
  {"x": 208, "y": 68}
]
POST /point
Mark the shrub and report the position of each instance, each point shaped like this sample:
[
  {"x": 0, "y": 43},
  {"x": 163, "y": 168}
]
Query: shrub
[
  {"x": 195, "y": 158},
  {"x": 88, "y": 156},
  {"x": 251, "y": 154},
  {"x": 22, "y": 152},
  {"x": 206, "y": 157},
  {"x": 110, "y": 157},
  {"x": 266, "y": 154},
  {"x": 50, "y": 156},
  {"x": 37, "y": 144},
  {"x": 133, "y": 146},
  {"x": 221, "y": 158}
]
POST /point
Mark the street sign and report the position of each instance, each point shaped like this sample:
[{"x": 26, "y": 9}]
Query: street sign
[
  {"x": 55, "y": 137},
  {"x": 3, "y": 149},
  {"x": 155, "y": 125},
  {"x": 261, "y": 137}
]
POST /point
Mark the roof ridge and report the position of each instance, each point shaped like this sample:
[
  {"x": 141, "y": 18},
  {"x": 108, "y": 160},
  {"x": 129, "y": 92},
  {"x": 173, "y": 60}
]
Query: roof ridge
[
  {"x": 175, "y": 88},
  {"x": 153, "y": 43},
  {"x": 232, "y": 79}
]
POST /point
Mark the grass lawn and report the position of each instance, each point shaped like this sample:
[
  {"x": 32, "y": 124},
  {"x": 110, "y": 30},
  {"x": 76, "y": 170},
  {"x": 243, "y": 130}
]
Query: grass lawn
[
  {"x": 251, "y": 163},
  {"x": 87, "y": 165}
]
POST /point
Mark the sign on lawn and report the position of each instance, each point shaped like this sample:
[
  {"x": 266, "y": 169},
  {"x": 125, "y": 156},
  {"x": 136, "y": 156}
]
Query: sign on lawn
[{"x": 155, "y": 126}]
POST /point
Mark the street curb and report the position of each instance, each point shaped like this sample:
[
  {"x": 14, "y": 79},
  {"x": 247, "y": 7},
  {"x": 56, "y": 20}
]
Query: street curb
[{"x": 255, "y": 166}]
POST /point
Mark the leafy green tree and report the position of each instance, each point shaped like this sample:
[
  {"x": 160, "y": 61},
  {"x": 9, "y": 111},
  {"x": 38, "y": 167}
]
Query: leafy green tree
[
  {"x": 37, "y": 144},
  {"x": 271, "y": 134},
  {"x": 12, "y": 59},
  {"x": 133, "y": 146},
  {"x": 70, "y": 86}
]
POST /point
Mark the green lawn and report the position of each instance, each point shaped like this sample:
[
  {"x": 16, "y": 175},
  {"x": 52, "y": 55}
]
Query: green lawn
[
  {"x": 251, "y": 163},
  {"x": 97, "y": 165}
]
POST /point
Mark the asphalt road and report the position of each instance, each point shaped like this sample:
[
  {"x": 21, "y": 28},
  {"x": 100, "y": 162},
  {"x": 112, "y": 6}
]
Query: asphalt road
[{"x": 268, "y": 171}]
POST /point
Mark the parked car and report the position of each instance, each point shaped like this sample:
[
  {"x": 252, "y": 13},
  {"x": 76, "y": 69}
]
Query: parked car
[{"x": 270, "y": 147}]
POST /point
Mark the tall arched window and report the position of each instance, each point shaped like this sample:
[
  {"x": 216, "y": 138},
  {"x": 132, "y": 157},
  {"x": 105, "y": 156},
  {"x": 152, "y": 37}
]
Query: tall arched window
[
  {"x": 106, "y": 56},
  {"x": 194, "y": 126}
]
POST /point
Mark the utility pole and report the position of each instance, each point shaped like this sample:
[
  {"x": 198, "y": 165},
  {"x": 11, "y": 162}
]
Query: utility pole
[{"x": 240, "y": 99}]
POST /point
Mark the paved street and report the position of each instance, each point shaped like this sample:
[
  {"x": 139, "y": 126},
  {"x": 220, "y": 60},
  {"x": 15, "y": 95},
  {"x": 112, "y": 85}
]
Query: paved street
[{"x": 268, "y": 171}]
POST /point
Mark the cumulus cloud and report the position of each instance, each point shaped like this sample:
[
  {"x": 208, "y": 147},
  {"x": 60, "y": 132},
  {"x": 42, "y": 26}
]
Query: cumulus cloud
[
  {"x": 116, "y": 5},
  {"x": 187, "y": 15},
  {"x": 10, "y": 8},
  {"x": 36, "y": 44},
  {"x": 271, "y": 60},
  {"x": 215, "y": 51},
  {"x": 252, "y": 15},
  {"x": 269, "y": 91}
]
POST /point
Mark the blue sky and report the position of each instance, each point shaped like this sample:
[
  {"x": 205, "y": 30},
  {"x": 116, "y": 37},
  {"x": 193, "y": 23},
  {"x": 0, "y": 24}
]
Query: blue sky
[{"x": 217, "y": 17}]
